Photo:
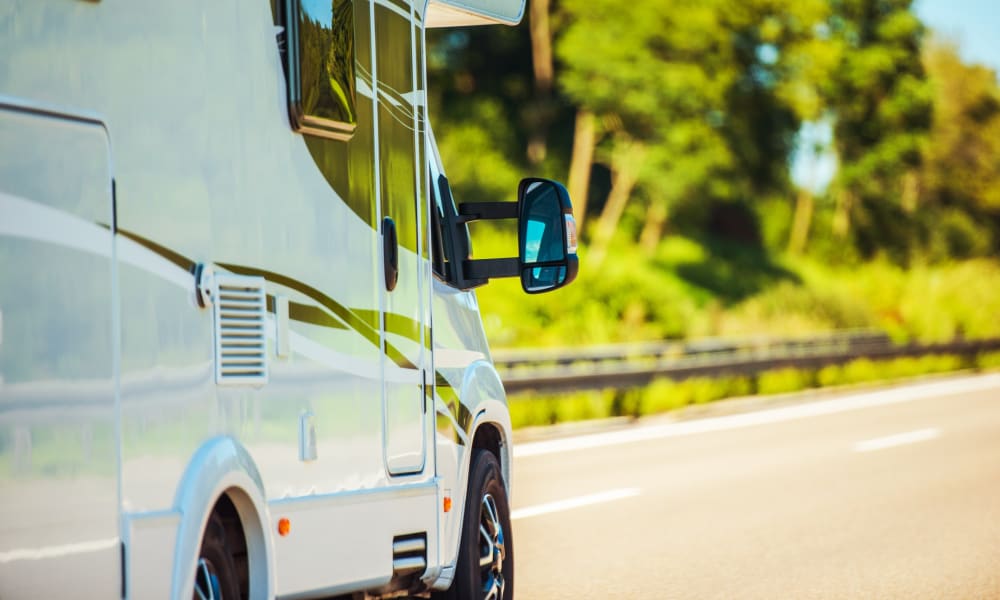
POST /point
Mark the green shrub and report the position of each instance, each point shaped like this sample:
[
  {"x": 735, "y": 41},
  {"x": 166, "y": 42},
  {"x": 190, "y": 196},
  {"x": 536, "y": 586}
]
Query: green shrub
[
  {"x": 784, "y": 380},
  {"x": 988, "y": 360},
  {"x": 529, "y": 409},
  {"x": 690, "y": 288},
  {"x": 859, "y": 371},
  {"x": 664, "y": 395},
  {"x": 829, "y": 376}
]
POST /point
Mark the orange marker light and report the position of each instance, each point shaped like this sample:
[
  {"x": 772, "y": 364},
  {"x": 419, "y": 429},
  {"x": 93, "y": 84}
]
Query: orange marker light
[
  {"x": 447, "y": 504},
  {"x": 284, "y": 527}
]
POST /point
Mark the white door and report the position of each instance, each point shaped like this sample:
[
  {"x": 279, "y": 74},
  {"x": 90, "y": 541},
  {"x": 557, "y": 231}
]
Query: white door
[
  {"x": 58, "y": 443},
  {"x": 402, "y": 186}
]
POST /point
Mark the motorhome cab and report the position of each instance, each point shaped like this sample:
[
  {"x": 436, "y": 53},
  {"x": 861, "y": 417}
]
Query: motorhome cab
[{"x": 240, "y": 354}]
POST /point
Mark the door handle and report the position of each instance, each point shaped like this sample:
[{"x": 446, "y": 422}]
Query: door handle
[{"x": 390, "y": 253}]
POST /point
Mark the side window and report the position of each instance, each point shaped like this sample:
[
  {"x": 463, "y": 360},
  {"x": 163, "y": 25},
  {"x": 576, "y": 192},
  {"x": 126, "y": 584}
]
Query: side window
[
  {"x": 438, "y": 262},
  {"x": 329, "y": 41},
  {"x": 320, "y": 65},
  {"x": 445, "y": 250}
]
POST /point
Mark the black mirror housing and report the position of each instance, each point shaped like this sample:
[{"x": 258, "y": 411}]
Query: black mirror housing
[
  {"x": 546, "y": 233},
  {"x": 547, "y": 241}
]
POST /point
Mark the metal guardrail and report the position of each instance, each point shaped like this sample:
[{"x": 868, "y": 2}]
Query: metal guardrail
[{"x": 632, "y": 365}]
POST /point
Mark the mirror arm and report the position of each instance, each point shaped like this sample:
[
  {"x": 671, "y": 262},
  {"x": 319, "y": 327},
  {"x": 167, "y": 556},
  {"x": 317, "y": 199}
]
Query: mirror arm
[
  {"x": 489, "y": 268},
  {"x": 486, "y": 211}
]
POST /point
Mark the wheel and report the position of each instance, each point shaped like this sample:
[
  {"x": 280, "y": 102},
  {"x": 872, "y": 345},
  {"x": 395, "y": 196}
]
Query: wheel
[
  {"x": 216, "y": 578},
  {"x": 485, "y": 568}
]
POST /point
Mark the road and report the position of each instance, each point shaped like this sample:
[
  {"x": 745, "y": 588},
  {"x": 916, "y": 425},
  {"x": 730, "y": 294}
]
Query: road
[{"x": 878, "y": 494}]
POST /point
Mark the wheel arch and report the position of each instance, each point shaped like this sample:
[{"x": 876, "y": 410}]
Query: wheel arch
[
  {"x": 489, "y": 436},
  {"x": 222, "y": 470},
  {"x": 484, "y": 395}
]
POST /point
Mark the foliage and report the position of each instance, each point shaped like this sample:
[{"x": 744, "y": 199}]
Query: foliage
[
  {"x": 695, "y": 112},
  {"x": 988, "y": 360},
  {"x": 864, "y": 370},
  {"x": 784, "y": 380},
  {"x": 663, "y": 395},
  {"x": 960, "y": 184},
  {"x": 653, "y": 78},
  {"x": 688, "y": 290},
  {"x": 882, "y": 105},
  {"x": 711, "y": 92},
  {"x": 928, "y": 303}
]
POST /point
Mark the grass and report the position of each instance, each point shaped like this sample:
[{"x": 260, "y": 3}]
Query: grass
[
  {"x": 664, "y": 395},
  {"x": 687, "y": 288}
]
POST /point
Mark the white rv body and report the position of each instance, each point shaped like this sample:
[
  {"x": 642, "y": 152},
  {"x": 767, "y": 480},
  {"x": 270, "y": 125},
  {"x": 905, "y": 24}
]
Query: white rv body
[{"x": 193, "y": 307}]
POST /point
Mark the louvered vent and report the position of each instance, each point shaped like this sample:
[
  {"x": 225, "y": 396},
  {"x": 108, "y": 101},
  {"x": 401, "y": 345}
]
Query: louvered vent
[
  {"x": 240, "y": 307},
  {"x": 409, "y": 553}
]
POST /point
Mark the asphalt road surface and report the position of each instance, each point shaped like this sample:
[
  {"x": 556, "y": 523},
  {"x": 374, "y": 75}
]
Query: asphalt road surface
[{"x": 878, "y": 494}]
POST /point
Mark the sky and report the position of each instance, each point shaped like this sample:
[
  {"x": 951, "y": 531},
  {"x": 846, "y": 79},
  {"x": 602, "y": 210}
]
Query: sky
[
  {"x": 320, "y": 10},
  {"x": 973, "y": 24}
]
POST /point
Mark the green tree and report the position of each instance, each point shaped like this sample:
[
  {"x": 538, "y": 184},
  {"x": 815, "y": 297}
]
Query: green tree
[
  {"x": 882, "y": 107},
  {"x": 656, "y": 83},
  {"x": 484, "y": 104},
  {"x": 711, "y": 92},
  {"x": 960, "y": 181}
]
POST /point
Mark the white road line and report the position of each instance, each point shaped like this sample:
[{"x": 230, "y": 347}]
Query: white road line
[
  {"x": 571, "y": 503},
  {"x": 900, "y": 439},
  {"x": 899, "y": 395},
  {"x": 57, "y": 551}
]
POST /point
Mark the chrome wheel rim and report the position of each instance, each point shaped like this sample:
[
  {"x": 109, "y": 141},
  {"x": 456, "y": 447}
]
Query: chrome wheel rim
[
  {"x": 491, "y": 549},
  {"x": 206, "y": 582}
]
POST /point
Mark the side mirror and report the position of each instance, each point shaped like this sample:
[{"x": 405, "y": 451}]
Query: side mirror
[
  {"x": 546, "y": 233},
  {"x": 546, "y": 236}
]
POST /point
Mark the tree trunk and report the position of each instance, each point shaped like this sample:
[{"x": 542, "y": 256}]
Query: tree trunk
[
  {"x": 652, "y": 229},
  {"x": 541, "y": 44},
  {"x": 802, "y": 222},
  {"x": 911, "y": 192},
  {"x": 625, "y": 167},
  {"x": 584, "y": 140},
  {"x": 842, "y": 214},
  {"x": 541, "y": 58}
]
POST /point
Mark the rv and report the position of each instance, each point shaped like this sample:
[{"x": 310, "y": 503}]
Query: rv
[{"x": 241, "y": 354}]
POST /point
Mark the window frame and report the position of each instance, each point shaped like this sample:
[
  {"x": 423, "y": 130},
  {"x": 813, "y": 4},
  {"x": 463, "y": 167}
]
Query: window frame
[{"x": 302, "y": 122}]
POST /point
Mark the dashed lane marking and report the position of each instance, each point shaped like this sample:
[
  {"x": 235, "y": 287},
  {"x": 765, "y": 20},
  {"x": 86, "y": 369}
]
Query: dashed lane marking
[{"x": 571, "y": 503}]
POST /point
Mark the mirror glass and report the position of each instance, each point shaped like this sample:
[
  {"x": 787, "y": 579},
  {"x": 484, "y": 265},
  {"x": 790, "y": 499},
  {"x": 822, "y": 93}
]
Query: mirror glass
[{"x": 542, "y": 238}]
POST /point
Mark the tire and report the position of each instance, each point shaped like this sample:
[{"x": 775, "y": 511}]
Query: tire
[
  {"x": 485, "y": 567},
  {"x": 215, "y": 577}
]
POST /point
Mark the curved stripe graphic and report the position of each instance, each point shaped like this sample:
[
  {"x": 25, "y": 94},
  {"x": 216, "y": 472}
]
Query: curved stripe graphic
[
  {"x": 347, "y": 315},
  {"x": 35, "y": 221}
]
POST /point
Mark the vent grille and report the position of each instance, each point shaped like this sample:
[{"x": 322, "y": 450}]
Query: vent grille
[
  {"x": 240, "y": 308},
  {"x": 409, "y": 554}
]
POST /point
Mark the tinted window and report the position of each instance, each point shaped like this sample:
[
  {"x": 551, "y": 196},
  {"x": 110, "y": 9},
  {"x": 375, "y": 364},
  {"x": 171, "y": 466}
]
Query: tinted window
[
  {"x": 447, "y": 249},
  {"x": 322, "y": 67}
]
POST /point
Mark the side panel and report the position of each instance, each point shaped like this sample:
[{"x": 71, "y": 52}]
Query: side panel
[
  {"x": 347, "y": 519},
  {"x": 59, "y": 488},
  {"x": 208, "y": 170}
]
